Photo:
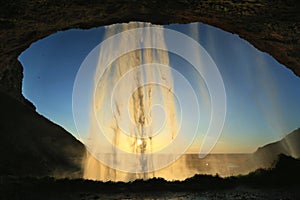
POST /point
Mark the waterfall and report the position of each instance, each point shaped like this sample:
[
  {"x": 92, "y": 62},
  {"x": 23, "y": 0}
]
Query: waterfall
[{"x": 137, "y": 115}]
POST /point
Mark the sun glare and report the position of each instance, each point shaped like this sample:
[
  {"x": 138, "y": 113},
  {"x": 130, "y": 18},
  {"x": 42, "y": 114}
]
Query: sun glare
[{"x": 139, "y": 142}]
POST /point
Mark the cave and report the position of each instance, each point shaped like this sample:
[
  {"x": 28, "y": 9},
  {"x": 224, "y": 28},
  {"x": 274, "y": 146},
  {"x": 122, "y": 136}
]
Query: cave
[{"x": 271, "y": 26}]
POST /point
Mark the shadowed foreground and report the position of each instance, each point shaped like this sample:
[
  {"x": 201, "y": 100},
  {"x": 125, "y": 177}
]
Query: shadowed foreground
[{"x": 281, "y": 181}]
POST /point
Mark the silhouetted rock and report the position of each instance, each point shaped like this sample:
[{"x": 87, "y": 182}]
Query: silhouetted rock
[
  {"x": 289, "y": 145},
  {"x": 285, "y": 172},
  {"x": 32, "y": 145},
  {"x": 271, "y": 26},
  {"x": 282, "y": 181}
]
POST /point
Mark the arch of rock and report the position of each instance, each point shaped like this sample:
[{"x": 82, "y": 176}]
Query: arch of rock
[{"x": 271, "y": 26}]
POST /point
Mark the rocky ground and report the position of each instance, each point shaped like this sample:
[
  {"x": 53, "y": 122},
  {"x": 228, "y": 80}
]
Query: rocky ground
[{"x": 280, "y": 182}]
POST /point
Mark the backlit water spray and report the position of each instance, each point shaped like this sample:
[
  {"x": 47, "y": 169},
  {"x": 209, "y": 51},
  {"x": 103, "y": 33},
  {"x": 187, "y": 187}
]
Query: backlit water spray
[
  {"x": 135, "y": 113},
  {"x": 136, "y": 119}
]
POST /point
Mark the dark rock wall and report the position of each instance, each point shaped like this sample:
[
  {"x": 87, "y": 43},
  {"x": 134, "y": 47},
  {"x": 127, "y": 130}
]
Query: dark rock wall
[
  {"x": 31, "y": 145},
  {"x": 271, "y": 26}
]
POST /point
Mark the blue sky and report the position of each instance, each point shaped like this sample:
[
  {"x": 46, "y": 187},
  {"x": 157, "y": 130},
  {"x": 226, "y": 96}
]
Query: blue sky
[{"x": 262, "y": 95}]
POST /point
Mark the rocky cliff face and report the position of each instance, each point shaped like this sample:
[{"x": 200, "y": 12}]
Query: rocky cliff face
[
  {"x": 271, "y": 26},
  {"x": 289, "y": 145},
  {"x": 36, "y": 146},
  {"x": 31, "y": 145}
]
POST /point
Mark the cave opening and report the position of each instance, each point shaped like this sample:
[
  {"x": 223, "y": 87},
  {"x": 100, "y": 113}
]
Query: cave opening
[{"x": 262, "y": 95}]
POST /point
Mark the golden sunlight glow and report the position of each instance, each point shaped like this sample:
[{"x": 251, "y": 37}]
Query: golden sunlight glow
[{"x": 139, "y": 142}]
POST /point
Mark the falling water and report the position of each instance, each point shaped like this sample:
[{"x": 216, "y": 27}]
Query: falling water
[{"x": 134, "y": 124}]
